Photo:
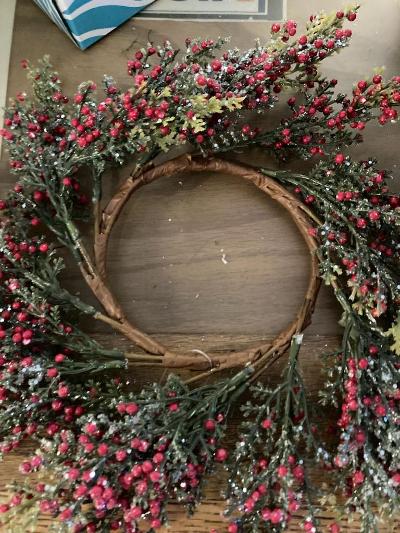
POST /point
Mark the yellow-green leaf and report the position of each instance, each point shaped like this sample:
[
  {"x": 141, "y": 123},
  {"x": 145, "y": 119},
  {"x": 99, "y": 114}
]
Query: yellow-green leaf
[
  {"x": 165, "y": 142},
  {"x": 196, "y": 124},
  {"x": 234, "y": 103},
  {"x": 166, "y": 92},
  {"x": 214, "y": 106},
  {"x": 203, "y": 106},
  {"x": 394, "y": 331},
  {"x": 358, "y": 307},
  {"x": 328, "y": 278}
]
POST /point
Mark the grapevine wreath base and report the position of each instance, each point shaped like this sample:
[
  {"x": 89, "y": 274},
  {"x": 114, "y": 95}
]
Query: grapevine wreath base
[
  {"x": 297, "y": 211},
  {"x": 110, "y": 457}
]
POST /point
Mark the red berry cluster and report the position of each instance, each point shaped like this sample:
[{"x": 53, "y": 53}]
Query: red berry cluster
[
  {"x": 162, "y": 100},
  {"x": 269, "y": 449},
  {"x": 143, "y": 461}
]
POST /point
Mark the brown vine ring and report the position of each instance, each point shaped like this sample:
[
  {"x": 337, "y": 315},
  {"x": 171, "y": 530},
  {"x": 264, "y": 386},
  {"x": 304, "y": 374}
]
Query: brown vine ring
[{"x": 192, "y": 361}]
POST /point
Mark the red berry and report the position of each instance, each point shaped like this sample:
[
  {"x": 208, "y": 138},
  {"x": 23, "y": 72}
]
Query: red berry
[
  {"x": 121, "y": 455},
  {"x": 318, "y": 43},
  {"x": 165, "y": 130},
  {"x": 380, "y": 410},
  {"x": 339, "y": 158},
  {"x": 221, "y": 455},
  {"x": 361, "y": 223},
  {"x": 396, "y": 96},
  {"x": 56, "y": 405},
  {"x": 353, "y": 405},
  {"x": 374, "y": 215},
  {"x": 373, "y": 350},
  {"x": 312, "y": 231},
  {"x": 358, "y": 477},
  {"x": 275, "y": 28},
  {"x": 362, "y": 85},
  {"x": 340, "y": 196},
  {"x": 102, "y": 449},
  {"x": 216, "y": 65},
  {"x": 173, "y": 407},
  {"x": 158, "y": 458},
  {"x": 282, "y": 471},
  {"x": 90, "y": 428},
  {"x": 276, "y": 516},
  {"x": 209, "y": 424},
  {"x": 201, "y": 80},
  {"x": 52, "y": 372},
  {"x": 131, "y": 408},
  {"x": 267, "y": 423},
  {"x": 63, "y": 391},
  {"x": 44, "y": 247},
  {"x": 25, "y": 467},
  {"x": 121, "y": 408}
]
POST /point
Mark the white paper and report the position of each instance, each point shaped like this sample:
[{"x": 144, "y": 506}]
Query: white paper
[{"x": 217, "y": 10}]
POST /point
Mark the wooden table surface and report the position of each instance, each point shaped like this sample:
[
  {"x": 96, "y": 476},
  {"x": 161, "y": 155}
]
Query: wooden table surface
[{"x": 208, "y": 261}]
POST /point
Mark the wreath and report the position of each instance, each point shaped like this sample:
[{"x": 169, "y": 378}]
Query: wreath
[{"x": 110, "y": 457}]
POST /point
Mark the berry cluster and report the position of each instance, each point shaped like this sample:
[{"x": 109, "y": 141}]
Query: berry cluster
[
  {"x": 175, "y": 103},
  {"x": 126, "y": 462},
  {"x": 268, "y": 482}
]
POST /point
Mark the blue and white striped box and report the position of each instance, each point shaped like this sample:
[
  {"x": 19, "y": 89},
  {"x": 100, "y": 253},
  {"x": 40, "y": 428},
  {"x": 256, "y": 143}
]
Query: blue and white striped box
[{"x": 87, "y": 21}]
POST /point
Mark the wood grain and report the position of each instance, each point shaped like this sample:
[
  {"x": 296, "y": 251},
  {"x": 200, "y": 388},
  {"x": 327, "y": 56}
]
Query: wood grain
[{"x": 165, "y": 262}]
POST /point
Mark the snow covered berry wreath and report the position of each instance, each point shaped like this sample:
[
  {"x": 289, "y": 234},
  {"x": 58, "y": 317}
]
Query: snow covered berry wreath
[{"x": 112, "y": 458}]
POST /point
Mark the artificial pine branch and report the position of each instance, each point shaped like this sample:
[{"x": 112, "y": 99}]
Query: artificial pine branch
[{"x": 268, "y": 480}]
